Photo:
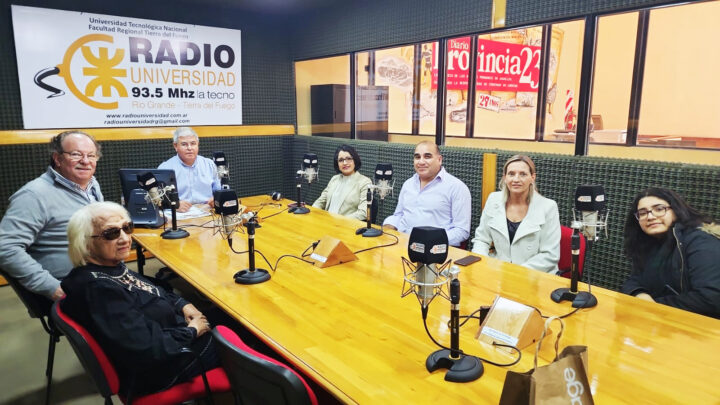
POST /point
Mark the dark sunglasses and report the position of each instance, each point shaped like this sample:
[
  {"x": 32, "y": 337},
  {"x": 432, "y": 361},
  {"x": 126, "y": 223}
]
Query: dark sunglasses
[{"x": 114, "y": 233}]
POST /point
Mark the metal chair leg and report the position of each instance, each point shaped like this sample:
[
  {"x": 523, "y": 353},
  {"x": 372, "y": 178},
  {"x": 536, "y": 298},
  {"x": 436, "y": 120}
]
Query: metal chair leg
[{"x": 54, "y": 338}]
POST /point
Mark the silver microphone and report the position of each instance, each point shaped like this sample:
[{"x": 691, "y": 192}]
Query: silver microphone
[
  {"x": 383, "y": 179},
  {"x": 426, "y": 277},
  {"x": 309, "y": 167},
  {"x": 226, "y": 206},
  {"x": 229, "y": 222},
  {"x": 384, "y": 187},
  {"x": 150, "y": 184},
  {"x": 590, "y": 210},
  {"x": 310, "y": 174}
]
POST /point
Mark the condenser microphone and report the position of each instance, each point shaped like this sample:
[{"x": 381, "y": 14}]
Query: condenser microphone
[
  {"x": 222, "y": 169},
  {"x": 310, "y": 167},
  {"x": 150, "y": 184},
  {"x": 163, "y": 197},
  {"x": 590, "y": 209},
  {"x": 427, "y": 247},
  {"x": 226, "y": 206},
  {"x": 383, "y": 179}
]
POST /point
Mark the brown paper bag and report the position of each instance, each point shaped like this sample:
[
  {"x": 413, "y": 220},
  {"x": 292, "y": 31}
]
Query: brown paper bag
[{"x": 564, "y": 381}]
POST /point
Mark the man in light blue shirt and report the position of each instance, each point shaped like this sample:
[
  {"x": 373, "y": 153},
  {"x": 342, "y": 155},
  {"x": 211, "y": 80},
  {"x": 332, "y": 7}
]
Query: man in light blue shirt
[
  {"x": 433, "y": 197},
  {"x": 196, "y": 176}
]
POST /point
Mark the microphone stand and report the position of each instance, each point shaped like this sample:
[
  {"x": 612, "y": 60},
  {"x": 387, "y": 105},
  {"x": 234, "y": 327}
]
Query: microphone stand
[
  {"x": 251, "y": 275},
  {"x": 368, "y": 231},
  {"x": 174, "y": 232},
  {"x": 299, "y": 207},
  {"x": 582, "y": 299},
  {"x": 461, "y": 368}
]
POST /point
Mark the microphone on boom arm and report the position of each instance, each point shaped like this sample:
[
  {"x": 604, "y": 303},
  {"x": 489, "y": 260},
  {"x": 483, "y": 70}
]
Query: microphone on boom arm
[
  {"x": 309, "y": 172},
  {"x": 382, "y": 185},
  {"x": 590, "y": 216},
  {"x": 228, "y": 209},
  {"x": 428, "y": 247},
  {"x": 163, "y": 196},
  {"x": 222, "y": 169}
]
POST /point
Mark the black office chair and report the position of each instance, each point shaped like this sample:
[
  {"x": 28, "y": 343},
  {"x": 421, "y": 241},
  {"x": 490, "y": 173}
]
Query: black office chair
[
  {"x": 259, "y": 379},
  {"x": 38, "y": 307}
]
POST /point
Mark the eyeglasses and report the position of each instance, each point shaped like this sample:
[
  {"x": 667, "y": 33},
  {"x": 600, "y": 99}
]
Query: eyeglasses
[
  {"x": 345, "y": 159},
  {"x": 658, "y": 211},
  {"x": 76, "y": 156},
  {"x": 114, "y": 233}
]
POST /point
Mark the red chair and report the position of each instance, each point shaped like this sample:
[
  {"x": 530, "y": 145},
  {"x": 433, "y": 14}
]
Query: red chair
[
  {"x": 259, "y": 379},
  {"x": 103, "y": 373},
  {"x": 566, "y": 252}
]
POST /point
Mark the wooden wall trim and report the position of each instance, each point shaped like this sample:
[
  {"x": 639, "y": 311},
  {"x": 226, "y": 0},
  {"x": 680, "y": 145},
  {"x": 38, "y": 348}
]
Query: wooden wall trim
[{"x": 16, "y": 137}]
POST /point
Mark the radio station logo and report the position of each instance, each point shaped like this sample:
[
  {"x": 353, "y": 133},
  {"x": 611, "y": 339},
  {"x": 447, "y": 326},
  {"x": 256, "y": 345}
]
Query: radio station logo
[
  {"x": 95, "y": 77},
  {"x": 97, "y": 72}
]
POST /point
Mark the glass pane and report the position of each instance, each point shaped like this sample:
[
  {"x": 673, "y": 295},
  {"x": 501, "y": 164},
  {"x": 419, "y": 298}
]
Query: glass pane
[
  {"x": 371, "y": 102},
  {"x": 566, "y": 47},
  {"x": 508, "y": 72},
  {"x": 323, "y": 99},
  {"x": 680, "y": 100},
  {"x": 458, "y": 66},
  {"x": 428, "y": 88},
  {"x": 614, "y": 60},
  {"x": 394, "y": 69}
]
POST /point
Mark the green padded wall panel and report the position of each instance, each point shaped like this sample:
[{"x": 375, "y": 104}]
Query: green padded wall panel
[{"x": 257, "y": 165}]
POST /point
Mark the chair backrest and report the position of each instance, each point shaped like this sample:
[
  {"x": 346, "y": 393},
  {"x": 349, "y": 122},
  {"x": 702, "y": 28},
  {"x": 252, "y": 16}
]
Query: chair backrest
[
  {"x": 259, "y": 379},
  {"x": 88, "y": 351},
  {"x": 37, "y": 305},
  {"x": 565, "y": 262}
]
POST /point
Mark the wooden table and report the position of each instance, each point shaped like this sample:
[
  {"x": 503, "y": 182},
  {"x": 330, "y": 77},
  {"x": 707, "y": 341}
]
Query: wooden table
[{"x": 348, "y": 329}]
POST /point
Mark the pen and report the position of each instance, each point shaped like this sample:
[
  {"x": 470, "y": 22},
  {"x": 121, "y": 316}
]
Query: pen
[{"x": 671, "y": 289}]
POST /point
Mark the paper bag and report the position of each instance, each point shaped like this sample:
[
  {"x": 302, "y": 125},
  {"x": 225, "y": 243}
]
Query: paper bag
[{"x": 564, "y": 381}]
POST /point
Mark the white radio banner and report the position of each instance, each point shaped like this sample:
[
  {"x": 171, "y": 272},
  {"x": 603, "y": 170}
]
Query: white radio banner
[{"x": 81, "y": 70}]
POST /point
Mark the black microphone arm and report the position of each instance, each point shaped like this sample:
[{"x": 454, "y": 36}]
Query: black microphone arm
[
  {"x": 299, "y": 207},
  {"x": 172, "y": 198},
  {"x": 461, "y": 367},
  {"x": 251, "y": 275},
  {"x": 368, "y": 231},
  {"x": 581, "y": 299}
]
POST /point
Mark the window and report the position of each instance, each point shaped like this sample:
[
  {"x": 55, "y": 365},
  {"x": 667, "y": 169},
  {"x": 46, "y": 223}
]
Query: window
[
  {"x": 508, "y": 72},
  {"x": 457, "y": 61},
  {"x": 322, "y": 96},
  {"x": 427, "y": 109},
  {"x": 680, "y": 103},
  {"x": 614, "y": 60},
  {"x": 660, "y": 94},
  {"x": 563, "y": 80},
  {"x": 394, "y": 68}
]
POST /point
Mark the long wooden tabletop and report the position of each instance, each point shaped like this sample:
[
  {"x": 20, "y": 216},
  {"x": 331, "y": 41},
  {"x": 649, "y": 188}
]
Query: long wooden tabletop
[{"x": 348, "y": 329}]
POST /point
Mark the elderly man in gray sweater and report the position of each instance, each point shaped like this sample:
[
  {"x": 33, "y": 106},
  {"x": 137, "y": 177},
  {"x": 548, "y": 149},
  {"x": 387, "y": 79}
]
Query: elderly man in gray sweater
[{"x": 33, "y": 232}]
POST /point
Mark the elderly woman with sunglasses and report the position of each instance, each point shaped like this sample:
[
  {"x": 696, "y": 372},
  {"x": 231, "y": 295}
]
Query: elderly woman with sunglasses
[
  {"x": 144, "y": 329},
  {"x": 675, "y": 253},
  {"x": 346, "y": 193}
]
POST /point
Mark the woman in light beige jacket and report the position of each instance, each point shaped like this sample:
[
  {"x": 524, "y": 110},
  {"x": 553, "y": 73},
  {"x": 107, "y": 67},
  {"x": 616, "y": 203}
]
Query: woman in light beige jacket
[{"x": 346, "y": 193}]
